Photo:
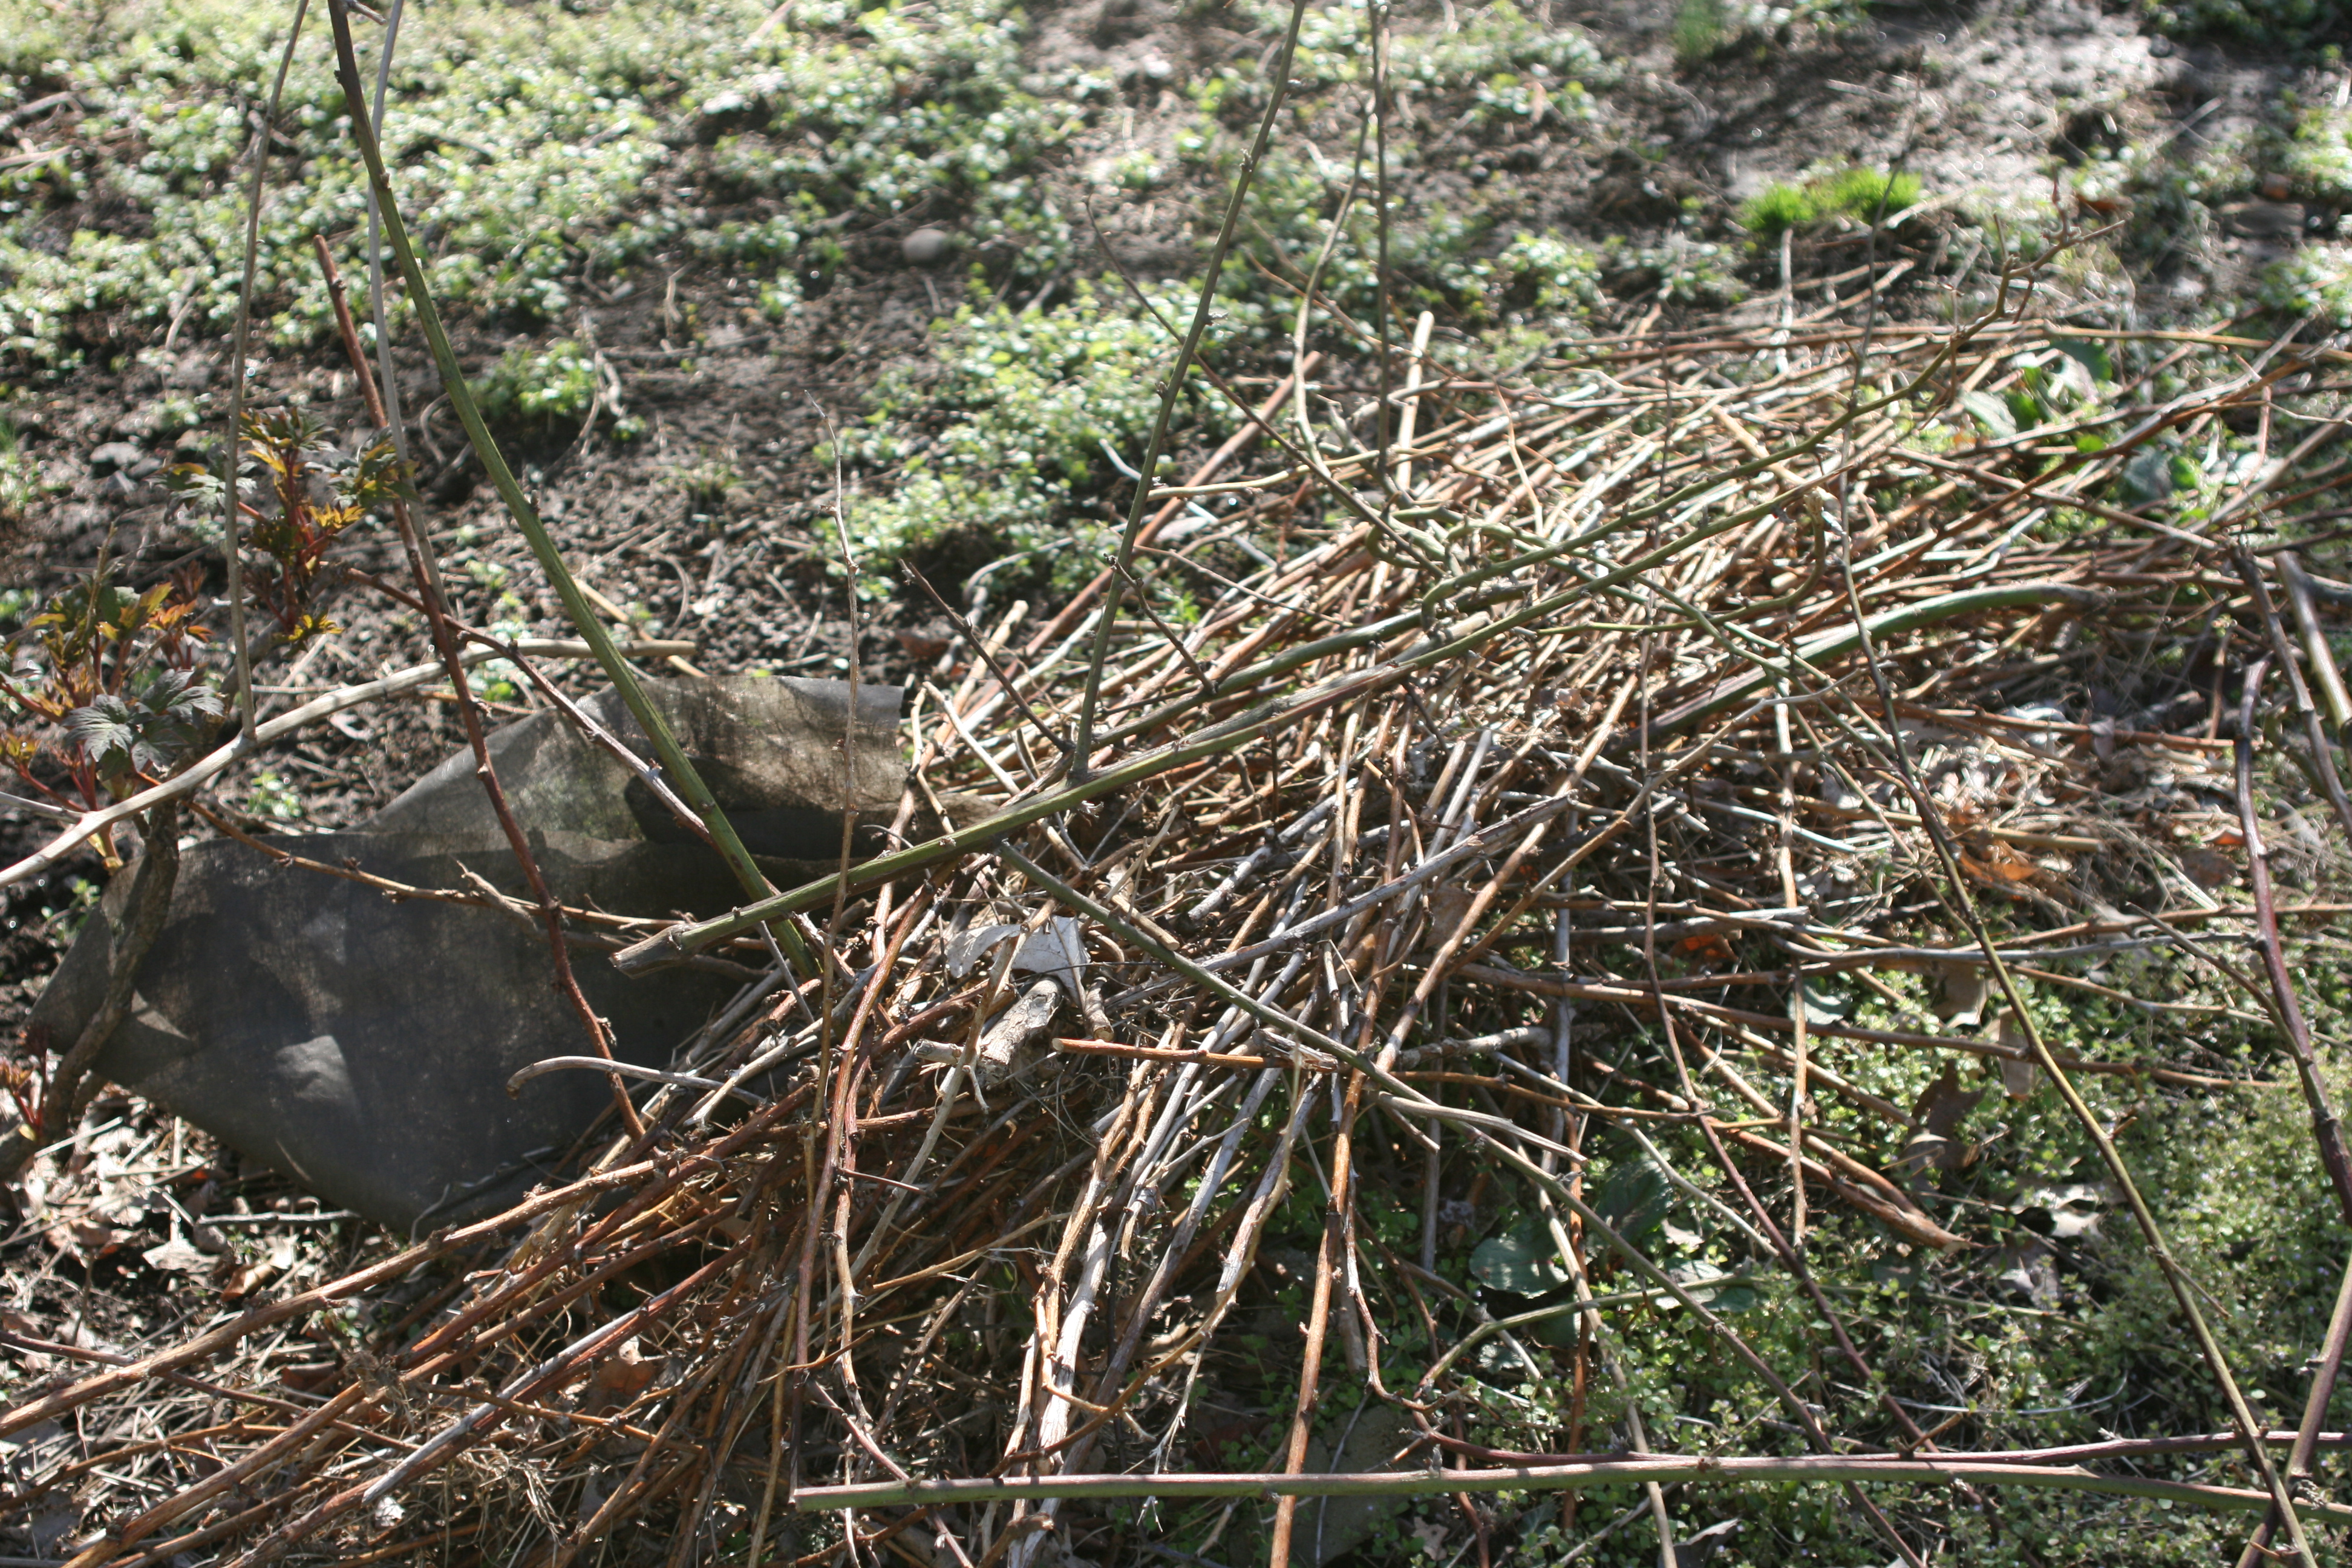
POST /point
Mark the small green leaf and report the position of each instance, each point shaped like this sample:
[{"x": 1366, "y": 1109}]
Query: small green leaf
[
  {"x": 1991, "y": 413},
  {"x": 1634, "y": 1198},
  {"x": 1711, "y": 1288},
  {"x": 1520, "y": 1263},
  {"x": 2091, "y": 356}
]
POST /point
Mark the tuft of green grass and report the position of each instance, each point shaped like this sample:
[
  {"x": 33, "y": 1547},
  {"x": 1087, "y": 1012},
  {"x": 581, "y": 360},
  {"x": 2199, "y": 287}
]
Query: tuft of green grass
[
  {"x": 1778, "y": 207},
  {"x": 1866, "y": 196},
  {"x": 1698, "y": 30},
  {"x": 539, "y": 386}
]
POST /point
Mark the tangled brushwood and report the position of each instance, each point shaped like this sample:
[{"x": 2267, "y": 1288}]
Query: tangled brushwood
[{"x": 1427, "y": 1032}]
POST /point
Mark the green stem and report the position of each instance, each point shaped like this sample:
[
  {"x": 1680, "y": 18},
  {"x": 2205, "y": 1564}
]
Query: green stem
[
  {"x": 1537, "y": 1477},
  {"x": 682, "y": 773},
  {"x": 1956, "y": 897},
  {"x": 1081, "y": 748}
]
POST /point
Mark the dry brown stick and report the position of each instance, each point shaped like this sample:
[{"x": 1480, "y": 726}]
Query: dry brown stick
[
  {"x": 1240, "y": 441},
  {"x": 1790, "y": 1257},
  {"x": 1169, "y": 635},
  {"x": 987, "y": 655},
  {"x": 460, "y": 1435},
  {"x": 129, "y": 1533},
  {"x": 1319, "y": 1318},
  {"x": 562, "y": 1553},
  {"x": 2323, "y": 760},
  {"x": 1784, "y": 861},
  {"x": 11, "y": 1340},
  {"x": 203, "y": 1346},
  {"x": 233, "y": 447},
  {"x": 75, "y": 1081},
  {"x": 2327, "y": 1128},
  {"x": 833, "y": 1076},
  {"x": 2323, "y": 672},
  {"x": 713, "y": 1449},
  {"x": 841, "y": 1147},
  {"x": 176, "y": 1547},
  {"x": 1814, "y": 1433},
  {"x": 646, "y": 772},
  {"x": 1859, "y": 1185},
  {"x": 2307, "y": 1437},
  {"x": 1454, "y": 941},
  {"x": 1962, "y": 903}
]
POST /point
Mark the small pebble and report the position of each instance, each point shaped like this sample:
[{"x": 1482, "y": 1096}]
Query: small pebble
[
  {"x": 113, "y": 456},
  {"x": 926, "y": 246}
]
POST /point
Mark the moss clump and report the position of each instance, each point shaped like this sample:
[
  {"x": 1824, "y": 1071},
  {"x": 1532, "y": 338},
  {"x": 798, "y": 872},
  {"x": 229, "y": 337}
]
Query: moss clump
[
  {"x": 2316, "y": 280},
  {"x": 1698, "y": 30},
  {"x": 2316, "y": 153},
  {"x": 1865, "y": 195},
  {"x": 1543, "y": 277},
  {"x": 20, "y": 477}
]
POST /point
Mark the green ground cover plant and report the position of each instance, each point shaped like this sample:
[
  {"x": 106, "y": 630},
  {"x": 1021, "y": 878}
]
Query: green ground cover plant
[
  {"x": 537, "y": 148},
  {"x": 1027, "y": 416}
]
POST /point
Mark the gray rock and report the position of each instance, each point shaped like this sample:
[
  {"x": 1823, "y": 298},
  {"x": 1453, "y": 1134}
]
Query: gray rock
[
  {"x": 363, "y": 1046},
  {"x": 116, "y": 457},
  {"x": 927, "y": 245},
  {"x": 2263, "y": 220},
  {"x": 1328, "y": 1528}
]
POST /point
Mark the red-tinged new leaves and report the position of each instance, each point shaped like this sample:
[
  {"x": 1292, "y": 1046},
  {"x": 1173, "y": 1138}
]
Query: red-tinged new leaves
[{"x": 305, "y": 494}]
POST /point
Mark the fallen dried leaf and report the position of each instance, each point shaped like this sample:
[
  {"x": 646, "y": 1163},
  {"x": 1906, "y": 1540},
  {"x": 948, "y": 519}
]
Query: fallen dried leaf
[
  {"x": 86, "y": 1238},
  {"x": 177, "y": 1256}
]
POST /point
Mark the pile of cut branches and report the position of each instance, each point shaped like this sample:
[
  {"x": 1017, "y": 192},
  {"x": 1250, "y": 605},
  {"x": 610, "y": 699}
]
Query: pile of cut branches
[{"x": 1388, "y": 842}]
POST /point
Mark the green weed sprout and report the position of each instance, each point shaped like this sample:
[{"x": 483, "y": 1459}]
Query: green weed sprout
[
  {"x": 101, "y": 695},
  {"x": 1698, "y": 30},
  {"x": 539, "y": 388}
]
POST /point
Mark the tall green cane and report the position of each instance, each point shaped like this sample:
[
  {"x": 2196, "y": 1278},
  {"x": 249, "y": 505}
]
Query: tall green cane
[{"x": 673, "y": 758}]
